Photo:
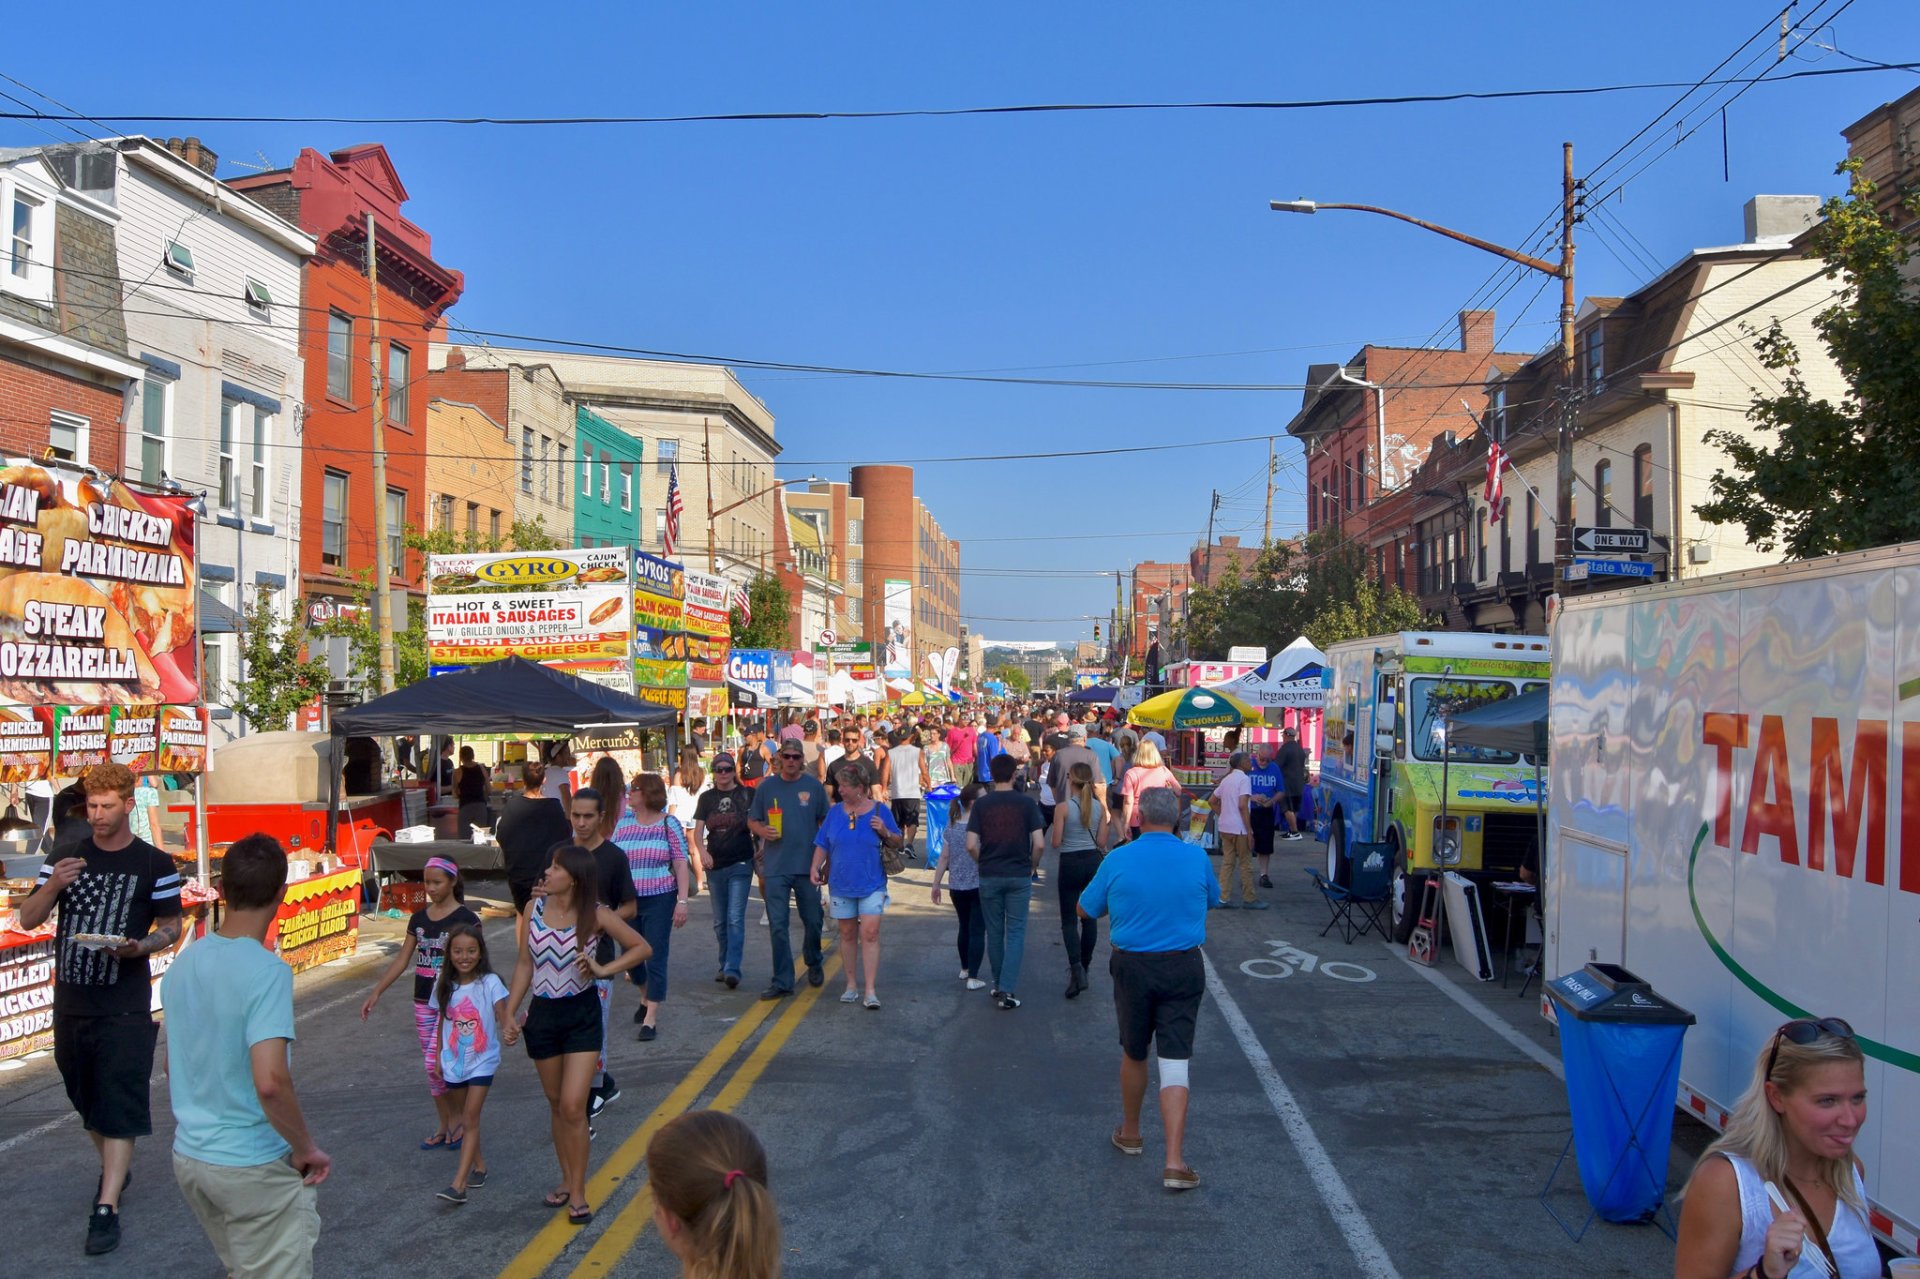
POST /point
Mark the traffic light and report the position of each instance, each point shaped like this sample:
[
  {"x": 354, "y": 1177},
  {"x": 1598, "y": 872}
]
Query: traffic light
[{"x": 1096, "y": 632}]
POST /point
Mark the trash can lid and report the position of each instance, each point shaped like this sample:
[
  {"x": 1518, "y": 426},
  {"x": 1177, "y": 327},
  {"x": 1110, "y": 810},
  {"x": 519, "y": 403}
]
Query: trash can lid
[
  {"x": 946, "y": 791},
  {"x": 1611, "y": 993}
]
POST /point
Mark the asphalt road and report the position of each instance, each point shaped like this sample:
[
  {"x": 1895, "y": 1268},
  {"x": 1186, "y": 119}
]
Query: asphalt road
[{"x": 1352, "y": 1115}]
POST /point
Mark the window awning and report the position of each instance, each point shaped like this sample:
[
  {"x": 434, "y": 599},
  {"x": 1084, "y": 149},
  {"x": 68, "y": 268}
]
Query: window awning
[{"x": 216, "y": 618}]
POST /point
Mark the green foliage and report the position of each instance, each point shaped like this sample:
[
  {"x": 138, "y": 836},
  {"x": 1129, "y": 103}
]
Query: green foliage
[
  {"x": 1836, "y": 476},
  {"x": 277, "y": 681},
  {"x": 772, "y": 612},
  {"x": 1013, "y": 677},
  {"x": 1318, "y": 588}
]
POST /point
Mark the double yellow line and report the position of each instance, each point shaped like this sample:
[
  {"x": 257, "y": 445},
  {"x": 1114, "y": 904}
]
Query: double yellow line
[{"x": 628, "y": 1224}]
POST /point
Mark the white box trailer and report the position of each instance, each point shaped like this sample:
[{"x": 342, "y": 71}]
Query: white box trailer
[{"x": 1734, "y": 813}]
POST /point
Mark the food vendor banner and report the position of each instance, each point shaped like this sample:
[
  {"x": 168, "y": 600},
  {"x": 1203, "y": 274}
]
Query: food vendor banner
[
  {"x": 26, "y": 995},
  {"x": 183, "y": 740},
  {"x": 897, "y": 617},
  {"x": 80, "y": 738},
  {"x": 319, "y": 920},
  {"x": 133, "y": 737},
  {"x": 98, "y": 589},
  {"x": 707, "y": 622},
  {"x": 26, "y": 744},
  {"x": 659, "y": 629},
  {"x": 546, "y": 606}
]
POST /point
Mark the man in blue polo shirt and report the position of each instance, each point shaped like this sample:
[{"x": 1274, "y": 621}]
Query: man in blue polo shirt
[
  {"x": 1269, "y": 801},
  {"x": 1157, "y": 890}
]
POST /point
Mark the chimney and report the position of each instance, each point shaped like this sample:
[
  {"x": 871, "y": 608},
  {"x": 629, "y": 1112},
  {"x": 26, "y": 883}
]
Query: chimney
[
  {"x": 190, "y": 150},
  {"x": 1476, "y": 332},
  {"x": 1230, "y": 541},
  {"x": 1776, "y": 218},
  {"x": 456, "y": 360}
]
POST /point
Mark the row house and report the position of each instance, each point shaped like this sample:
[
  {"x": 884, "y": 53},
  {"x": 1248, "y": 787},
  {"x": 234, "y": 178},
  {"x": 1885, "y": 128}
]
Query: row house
[
  {"x": 470, "y": 472},
  {"x": 347, "y": 200},
  {"x": 529, "y": 403},
  {"x": 609, "y": 460},
  {"x": 1656, "y": 373},
  {"x": 830, "y": 513},
  {"x": 805, "y": 569}
]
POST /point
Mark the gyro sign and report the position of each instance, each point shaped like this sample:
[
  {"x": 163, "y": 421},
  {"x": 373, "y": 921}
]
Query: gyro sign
[
  {"x": 547, "y": 606},
  {"x": 98, "y": 586}
]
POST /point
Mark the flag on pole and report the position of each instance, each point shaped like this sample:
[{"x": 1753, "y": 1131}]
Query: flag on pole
[
  {"x": 1496, "y": 462},
  {"x": 741, "y": 602},
  {"x": 675, "y": 505}
]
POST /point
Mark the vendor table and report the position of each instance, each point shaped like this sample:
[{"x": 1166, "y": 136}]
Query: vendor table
[{"x": 393, "y": 859}]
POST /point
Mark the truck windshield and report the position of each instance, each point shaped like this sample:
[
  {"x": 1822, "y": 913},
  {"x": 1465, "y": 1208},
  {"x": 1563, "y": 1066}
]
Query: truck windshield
[{"x": 1434, "y": 699}]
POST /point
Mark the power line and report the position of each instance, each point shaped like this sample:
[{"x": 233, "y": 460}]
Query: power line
[{"x": 1041, "y": 108}]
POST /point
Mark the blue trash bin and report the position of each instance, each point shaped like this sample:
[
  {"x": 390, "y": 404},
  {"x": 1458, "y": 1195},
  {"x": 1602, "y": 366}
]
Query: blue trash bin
[
  {"x": 1620, "y": 1043},
  {"x": 938, "y": 798}
]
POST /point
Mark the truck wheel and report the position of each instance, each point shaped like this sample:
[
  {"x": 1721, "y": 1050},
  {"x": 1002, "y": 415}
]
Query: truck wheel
[
  {"x": 1405, "y": 893},
  {"x": 1339, "y": 868}
]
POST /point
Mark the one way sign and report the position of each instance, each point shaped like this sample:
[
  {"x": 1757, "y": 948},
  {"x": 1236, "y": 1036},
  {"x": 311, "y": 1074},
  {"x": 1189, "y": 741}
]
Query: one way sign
[{"x": 1631, "y": 541}]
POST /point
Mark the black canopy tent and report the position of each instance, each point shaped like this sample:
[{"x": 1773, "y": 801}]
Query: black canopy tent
[
  {"x": 1517, "y": 725},
  {"x": 513, "y": 695}
]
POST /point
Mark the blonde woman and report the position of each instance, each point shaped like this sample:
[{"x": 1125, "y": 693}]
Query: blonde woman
[
  {"x": 1080, "y": 836},
  {"x": 1794, "y": 1127},
  {"x": 1145, "y": 773}
]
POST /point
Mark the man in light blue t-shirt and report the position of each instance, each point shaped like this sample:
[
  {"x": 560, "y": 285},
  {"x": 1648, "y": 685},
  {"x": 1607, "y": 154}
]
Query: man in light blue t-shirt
[
  {"x": 1158, "y": 889},
  {"x": 245, "y": 1161}
]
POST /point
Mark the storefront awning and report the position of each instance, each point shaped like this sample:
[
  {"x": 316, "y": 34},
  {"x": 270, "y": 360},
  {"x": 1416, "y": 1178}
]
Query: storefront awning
[{"x": 216, "y": 618}]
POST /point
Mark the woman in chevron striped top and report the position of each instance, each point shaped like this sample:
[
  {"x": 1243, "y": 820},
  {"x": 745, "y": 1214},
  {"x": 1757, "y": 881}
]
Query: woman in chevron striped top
[{"x": 562, "y": 1026}]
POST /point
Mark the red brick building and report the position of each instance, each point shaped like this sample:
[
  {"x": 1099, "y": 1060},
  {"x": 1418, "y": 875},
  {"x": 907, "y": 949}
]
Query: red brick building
[{"x": 331, "y": 197}]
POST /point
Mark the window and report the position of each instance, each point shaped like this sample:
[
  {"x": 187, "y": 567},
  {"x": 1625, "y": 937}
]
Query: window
[
  {"x": 67, "y": 435},
  {"x": 586, "y": 470},
  {"x": 1480, "y": 544},
  {"x": 1593, "y": 366},
  {"x": 153, "y": 429},
  {"x": 1497, "y": 411},
  {"x": 259, "y": 300},
  {"x": 473, "y": 519},
  {"x": 606, "y": 481},
  {"x": 1603, "y": 494},
  {"x": 493, "y": 525},
  {"x": 444, "y": 515},
  {"x": 262, "y": 428},
  {"x": 1506, "y": 535},
  {"x": 668, "y": 453},
  {"x": 399, "y": 383},
  {"x": 339, "y": 356},
  {"x": 1533, "y": 530},
  {"x": 229, "y": 473},
  {"x": 1643, "y": 486},
  {"x": 20, "y": 239},
  {"x": 856, "y": 571},
  {"x": 660, "y": 526},
  {"x": 396, "y": 532},
  {"x": 333, "y": 519},
  {"x": 560, "y": 475},
  {"x": 856, "y": 532},
  {"x": 179, "y": 260},
  {"x": 626, "y": 486},
  {"x": 546, "y": 465},
  {"x": 212, "y": 648}
]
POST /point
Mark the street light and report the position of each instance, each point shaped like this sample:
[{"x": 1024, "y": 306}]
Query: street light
[
  {"x": 712, "y": 564},
  {"x": 1563, "y": 270}
]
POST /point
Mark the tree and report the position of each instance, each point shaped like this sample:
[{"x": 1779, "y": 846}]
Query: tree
[
  {"x": 276, "y": 681},
  {"x": 1013, "y": 677},
  {"x": 1373, "y": 608},
  {"x": 1837, "y": 476},
  {"x": 1318, "y": 588},
  {"x": 410, "y": 630},
  {"x": 772, "y": 612}
]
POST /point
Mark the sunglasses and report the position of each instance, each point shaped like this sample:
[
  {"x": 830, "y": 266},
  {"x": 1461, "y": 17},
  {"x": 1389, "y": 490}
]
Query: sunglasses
[
  {"x": 1803, "y": 1031},
  {"x": 791, "y": 755},
  {"x": 723, "y": 768}
]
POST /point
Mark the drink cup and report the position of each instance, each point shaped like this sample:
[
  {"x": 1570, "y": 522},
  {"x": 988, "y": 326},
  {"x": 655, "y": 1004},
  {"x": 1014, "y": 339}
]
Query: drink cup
[{"x": 1904, "y": 1268}]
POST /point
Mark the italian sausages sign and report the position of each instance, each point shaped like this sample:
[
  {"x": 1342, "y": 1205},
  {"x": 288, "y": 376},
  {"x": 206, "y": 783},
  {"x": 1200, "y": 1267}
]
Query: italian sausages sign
[
  {"x": 98, "y": 585},
  {"x": 547, "y": 606}
]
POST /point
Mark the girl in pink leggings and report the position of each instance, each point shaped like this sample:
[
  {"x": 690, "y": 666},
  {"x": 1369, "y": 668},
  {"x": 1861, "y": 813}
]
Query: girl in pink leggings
[{"x": 425, "y": 951}]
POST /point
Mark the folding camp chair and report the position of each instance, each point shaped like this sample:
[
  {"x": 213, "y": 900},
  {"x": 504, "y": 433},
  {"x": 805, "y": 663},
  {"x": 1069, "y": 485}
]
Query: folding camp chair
[{"x": 1361, "y": 904}]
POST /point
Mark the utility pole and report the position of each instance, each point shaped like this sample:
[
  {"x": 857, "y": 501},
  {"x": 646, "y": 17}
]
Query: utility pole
[
  {"x": 1211, "y": 510},
  {"x": 1266, "y": 534},
  {"x": 382, "y": 568},
  {"x": 706, "y": 475},
  {"x": 1563, "y": 535}
]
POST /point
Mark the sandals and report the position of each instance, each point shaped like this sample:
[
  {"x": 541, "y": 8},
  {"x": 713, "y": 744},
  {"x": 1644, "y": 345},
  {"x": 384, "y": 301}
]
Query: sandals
[
  {"x": 434, "y": 1142},
  {"x": 579, "y": 1214},
  {"x": 872, "y": 1003},
  {"x": 849, "y": 996},
  {"x": 556, "y": 1198}
]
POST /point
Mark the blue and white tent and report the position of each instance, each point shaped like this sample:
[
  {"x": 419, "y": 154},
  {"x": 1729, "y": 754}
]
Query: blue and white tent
[{"x": 1290, "y": 679}]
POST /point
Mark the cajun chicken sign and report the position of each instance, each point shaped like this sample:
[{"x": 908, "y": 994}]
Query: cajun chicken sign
[{"x": 98, "y": 585}]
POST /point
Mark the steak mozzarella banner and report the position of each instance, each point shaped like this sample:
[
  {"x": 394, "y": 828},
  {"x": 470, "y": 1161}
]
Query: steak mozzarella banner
[
  {"x": 566, "y": 608},
  {"x": 98, "y": 586}
]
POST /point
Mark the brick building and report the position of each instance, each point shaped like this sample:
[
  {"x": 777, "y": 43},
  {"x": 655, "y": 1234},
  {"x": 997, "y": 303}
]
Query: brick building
[
  {"x": 903, "y": 544},
  {"x": 834, "y": 517},
  {"x": 66, "y": 379},
  {"x": 528, "y": 401},
  {"x": 470, "y": 471}
]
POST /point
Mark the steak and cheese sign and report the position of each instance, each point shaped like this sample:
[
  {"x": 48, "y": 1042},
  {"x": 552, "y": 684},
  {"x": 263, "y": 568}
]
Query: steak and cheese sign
[{"x": 98, "y": 587}]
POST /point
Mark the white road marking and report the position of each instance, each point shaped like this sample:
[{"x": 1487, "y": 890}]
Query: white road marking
[
  {"x": 1486, "y": 1016},
  {"x": 21, "y": 1139},
  {"x": 1346, "y": 1214}
]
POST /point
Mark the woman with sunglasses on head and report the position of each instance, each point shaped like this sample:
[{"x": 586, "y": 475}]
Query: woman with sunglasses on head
[{"x": 1793, "y": 1128}]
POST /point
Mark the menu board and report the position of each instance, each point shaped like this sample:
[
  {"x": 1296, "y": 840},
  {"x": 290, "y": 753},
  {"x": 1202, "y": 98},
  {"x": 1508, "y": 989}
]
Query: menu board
[
  {"x": 546, "y": 606},
  {"x": 82, "y": 738},
  {"x": 26, "y": 743},
  {"x": 659, "y": 636}
]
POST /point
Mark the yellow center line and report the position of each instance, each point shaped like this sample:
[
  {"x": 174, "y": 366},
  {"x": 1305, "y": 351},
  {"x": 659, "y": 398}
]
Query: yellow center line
[
  {"x": 552, "y": 1239},
  {"x": 631, "y": 1221}
]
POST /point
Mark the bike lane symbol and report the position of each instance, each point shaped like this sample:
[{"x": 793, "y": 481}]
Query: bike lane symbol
[{"x": 1285, "y": 958}]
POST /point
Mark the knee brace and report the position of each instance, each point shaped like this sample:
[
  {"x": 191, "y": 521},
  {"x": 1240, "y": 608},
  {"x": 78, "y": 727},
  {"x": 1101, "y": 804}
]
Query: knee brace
[{"x": 1173, "y": 1074}]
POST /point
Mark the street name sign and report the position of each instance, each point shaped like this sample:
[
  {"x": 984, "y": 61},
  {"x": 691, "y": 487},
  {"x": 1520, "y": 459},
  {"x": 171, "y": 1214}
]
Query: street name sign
[
  {"x": 1628, "y": 541},
  {"x": 1613, "y": 568}
]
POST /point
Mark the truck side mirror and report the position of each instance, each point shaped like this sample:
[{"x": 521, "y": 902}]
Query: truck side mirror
[{"x": 1383, "y": 743}]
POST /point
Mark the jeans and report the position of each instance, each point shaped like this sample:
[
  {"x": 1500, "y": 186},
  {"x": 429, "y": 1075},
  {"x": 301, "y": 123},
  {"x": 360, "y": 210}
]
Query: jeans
[
  {"x": 729, "y": 886},
  {"x": 654, "y": 921},
  {"x": 1004, "y": 900},
  {"x": 972, "y": 937},
  {"x": 806, "y": 899},
  {"x": 1078, "y": 935}
]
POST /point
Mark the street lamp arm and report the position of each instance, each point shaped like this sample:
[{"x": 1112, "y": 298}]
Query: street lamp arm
[
  {"x": 1512, "y": 255},
  {"x": 808, "y": 479}
]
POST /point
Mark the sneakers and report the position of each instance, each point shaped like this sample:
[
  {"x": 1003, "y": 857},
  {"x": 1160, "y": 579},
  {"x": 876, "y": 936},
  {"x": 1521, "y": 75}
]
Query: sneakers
[
  {"x": 816, "y": 976},
  {"x": 1008, "y": 1002},
  {"x": 603, "y": 1096},
  {"x": 1266, "y": 881},
  {"x": 647, "y": 1033},
  {"x": 849, "y": 996},
  {"x": 732, "y": 980},
  {"x": 1227, "y": 906},
  {"x": 774, "y": 992},
  {"x": 103, "y": 1230},
  {"x": 1293, "y": 834},
  {"x": 871, "y": 1003},
  {"x": 477, "y": 1179},
  {"x": 453, "y": 1195},
  {"x": 974, "y": 983},
  {"x": 1257, "y": 906}
]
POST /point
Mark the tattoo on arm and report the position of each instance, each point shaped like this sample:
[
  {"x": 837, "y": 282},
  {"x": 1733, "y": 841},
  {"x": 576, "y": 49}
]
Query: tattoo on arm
[{"x": 161, "y": 938}]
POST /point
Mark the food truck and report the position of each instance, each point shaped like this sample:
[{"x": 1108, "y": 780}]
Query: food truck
[
  {"x": 1734, "y": 815},
  {"x": 1388, "y": 774}
]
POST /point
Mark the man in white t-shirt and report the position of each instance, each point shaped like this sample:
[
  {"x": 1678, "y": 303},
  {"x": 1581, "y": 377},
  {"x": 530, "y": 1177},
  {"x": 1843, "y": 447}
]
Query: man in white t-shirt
[{"x": 1233, "y": 818}]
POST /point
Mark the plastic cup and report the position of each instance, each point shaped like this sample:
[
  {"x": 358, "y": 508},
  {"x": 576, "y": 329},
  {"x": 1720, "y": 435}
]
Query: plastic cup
[{"x": 1906, "y": 1268}]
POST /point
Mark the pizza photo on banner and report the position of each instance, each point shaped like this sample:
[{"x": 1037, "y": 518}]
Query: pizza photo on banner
[{"x": 98, "y": 587}]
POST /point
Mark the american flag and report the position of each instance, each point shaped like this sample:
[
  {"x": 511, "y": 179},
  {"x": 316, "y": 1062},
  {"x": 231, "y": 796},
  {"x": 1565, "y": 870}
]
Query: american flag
[
  {"x": 741, "y": 602},
  {"x": 1496, "y": 462},
  {"x": 675, "y": 505}
]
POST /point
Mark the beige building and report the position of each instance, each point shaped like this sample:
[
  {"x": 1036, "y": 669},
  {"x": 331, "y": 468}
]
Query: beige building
[
  {"x": 693, "y": 419},
  {"x": 528, "y": 401},
  {"x": 471, "y": 470}
]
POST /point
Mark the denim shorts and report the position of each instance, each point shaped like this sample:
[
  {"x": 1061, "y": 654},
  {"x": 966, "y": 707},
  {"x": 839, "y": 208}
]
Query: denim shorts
[{"x": 874, "y": 903}]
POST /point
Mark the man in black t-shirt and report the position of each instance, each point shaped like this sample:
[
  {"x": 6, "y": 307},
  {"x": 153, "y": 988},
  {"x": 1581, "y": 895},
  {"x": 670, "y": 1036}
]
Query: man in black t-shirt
[
  {"x": 119, "y": 902},
  {"x": 854, "y": 742},
  {"x": 723, "y": 842},
  {"x": 1005, "y": 834}
]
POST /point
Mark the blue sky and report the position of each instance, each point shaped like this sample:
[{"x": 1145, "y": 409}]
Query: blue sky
[{"x": 1130, "y": 245}]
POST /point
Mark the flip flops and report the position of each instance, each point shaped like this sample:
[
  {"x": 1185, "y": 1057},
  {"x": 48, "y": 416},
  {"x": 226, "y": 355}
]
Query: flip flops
[
  {"x": 434, "y": 1142},
  {"x": 556, "y": 1198},
  {"x": 579, "y": 1214}
]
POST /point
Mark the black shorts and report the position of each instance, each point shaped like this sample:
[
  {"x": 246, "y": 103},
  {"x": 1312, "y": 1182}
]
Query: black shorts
[
  {"x": 478, "y": 1081},
  {"x": 1290, "y": 803},
  {"x": 569, "y": 1024},
  {"x": 105, "y": 1063},
  {"x": 1157, "y": 996},
  {"x": 906, "y": 812}
]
